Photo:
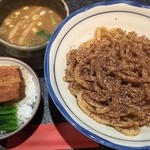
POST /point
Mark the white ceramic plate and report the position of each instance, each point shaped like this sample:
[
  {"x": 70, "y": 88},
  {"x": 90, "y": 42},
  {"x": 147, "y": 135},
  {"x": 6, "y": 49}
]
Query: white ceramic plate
[{"x": 74, "y": 30}]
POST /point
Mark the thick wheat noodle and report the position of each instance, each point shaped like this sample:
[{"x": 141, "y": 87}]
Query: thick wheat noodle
[
  {"x": 110, "y": 77},
  {"x": 100, "y": 117}
]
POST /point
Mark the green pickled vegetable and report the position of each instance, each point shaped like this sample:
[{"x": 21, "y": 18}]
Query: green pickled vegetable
[
  {"x": 8, "y": 118},
  {"x": 43, "y": 34},
  {"x": 8, "y": 128},
  {"x": 7, "y": 109}
]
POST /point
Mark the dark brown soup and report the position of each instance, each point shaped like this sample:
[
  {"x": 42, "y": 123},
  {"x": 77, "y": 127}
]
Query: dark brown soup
[{"x": 29, "y": 25}]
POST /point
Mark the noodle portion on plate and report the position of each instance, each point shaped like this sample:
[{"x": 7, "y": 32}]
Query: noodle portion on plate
[{"x": 110, "y": 77}]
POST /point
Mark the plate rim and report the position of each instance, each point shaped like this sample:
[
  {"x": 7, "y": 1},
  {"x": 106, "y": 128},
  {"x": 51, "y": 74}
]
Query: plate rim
[{"x": 54, "y": 98}]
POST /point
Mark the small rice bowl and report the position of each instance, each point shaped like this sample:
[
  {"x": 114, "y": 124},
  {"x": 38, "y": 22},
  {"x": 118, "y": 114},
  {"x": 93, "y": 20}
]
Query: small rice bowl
[{"x": 28, "y": 106}]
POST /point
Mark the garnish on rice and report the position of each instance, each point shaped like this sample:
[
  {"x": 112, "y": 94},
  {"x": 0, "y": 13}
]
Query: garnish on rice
[{"x": 8, "y": 118}]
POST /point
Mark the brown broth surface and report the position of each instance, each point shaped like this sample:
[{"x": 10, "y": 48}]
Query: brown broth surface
[{"x": 29, "y": 25}]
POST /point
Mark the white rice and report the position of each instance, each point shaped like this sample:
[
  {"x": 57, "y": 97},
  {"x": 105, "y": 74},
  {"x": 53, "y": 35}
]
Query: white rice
[{"x": 25, "y": 106}]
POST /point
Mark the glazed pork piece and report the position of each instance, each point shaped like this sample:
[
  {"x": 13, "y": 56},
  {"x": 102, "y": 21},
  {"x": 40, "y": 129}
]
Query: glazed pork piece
[{"x": 12, "y": 86}]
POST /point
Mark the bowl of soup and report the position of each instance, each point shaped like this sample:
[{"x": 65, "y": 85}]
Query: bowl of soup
[{"x": 26, "y": 26}]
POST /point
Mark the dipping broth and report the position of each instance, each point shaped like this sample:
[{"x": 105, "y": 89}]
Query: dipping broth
[{"x": 29, "y": 25}]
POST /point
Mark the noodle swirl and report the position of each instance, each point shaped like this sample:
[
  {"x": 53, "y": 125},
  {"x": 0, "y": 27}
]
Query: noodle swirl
[{"x": 110, "y": 77}]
